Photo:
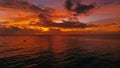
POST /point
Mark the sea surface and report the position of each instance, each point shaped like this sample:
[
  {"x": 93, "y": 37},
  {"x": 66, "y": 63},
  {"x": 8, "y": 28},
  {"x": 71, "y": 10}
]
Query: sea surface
[{"x": 59, "y": 51}]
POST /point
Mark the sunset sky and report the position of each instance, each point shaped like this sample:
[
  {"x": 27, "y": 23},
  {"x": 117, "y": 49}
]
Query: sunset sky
[
  {"x": 27, "y": 12},
  {"x": 104, "y": 8}
]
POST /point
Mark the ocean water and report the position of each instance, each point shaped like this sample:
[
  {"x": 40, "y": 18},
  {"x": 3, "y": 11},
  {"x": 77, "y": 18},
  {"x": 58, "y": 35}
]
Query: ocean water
[{"x": 59, "y": 51}]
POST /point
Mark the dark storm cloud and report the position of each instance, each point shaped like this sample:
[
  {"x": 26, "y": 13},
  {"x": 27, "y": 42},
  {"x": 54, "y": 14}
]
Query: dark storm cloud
[
  {"x": 77, "y": 7},
  {"x": 19, "y": 4},
  {"x": 68, "y": 5}
]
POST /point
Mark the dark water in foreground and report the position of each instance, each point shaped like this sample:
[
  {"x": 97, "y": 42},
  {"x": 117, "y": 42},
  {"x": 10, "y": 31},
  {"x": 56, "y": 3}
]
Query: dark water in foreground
[{"x": 59, "y": 52}]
